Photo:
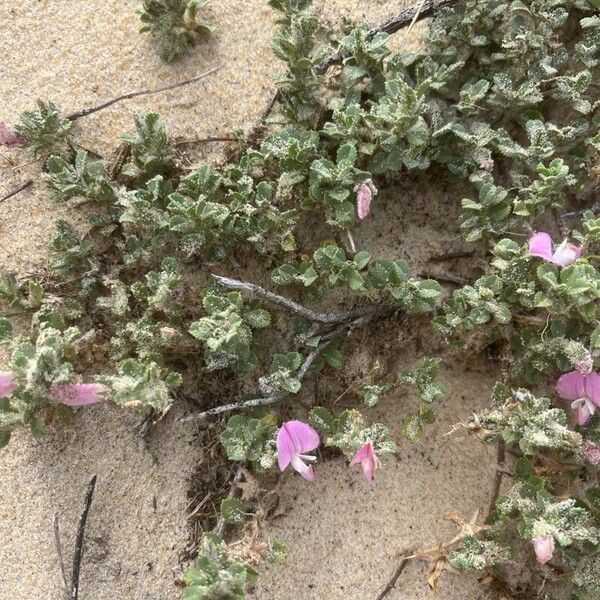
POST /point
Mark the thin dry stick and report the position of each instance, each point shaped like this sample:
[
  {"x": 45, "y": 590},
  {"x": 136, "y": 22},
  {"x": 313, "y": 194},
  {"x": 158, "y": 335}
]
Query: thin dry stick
[
  {"x": 22, "y": 187},
  {"x": 500, "y": 458},
  {"x": 59, "y": 552},
  {"x": 78, "y": 555},
  {"x": 205, "y": 140},
  {"x": 392, "y": 582},
  {"x": 88, "y": 111},
  {"x": 259, "y": 292}
]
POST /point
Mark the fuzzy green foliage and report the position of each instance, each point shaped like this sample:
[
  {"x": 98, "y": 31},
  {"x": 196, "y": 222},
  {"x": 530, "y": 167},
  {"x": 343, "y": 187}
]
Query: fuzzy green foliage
[
  {"x": 43, "y": 130},
  {"x": 83, "y": 179},
  {"x": 142, "y": 385},
  {"x": 251, "y": 439},
  {"x": 348, "y": 431},
  {"x": 475, "y": 554},
  {"x": 71, "y": 254},
  {"x": 530, "y": 422},
  {"x": 331, "y": 267},
  {"x": 539, "y": 514},
  {"x": 296, "y": 45},
  {"x": 151, "y": 154},
  {"x": 423, "y": 377},
  {"x": 35, "y": 366},
  {"x": 174, "y": 25},
  {"x": 214, "y": 575},
  {"x": 227, "y": 331}
]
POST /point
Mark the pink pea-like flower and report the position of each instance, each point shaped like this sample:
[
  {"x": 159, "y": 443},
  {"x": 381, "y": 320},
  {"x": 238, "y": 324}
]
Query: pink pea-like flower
[
  {"x": 7, "y": 384},
  {"x": 364, "y": 195},
  {"x": 544, "y": 548},
  {"x": 540, "y": 244},
  {"x": 294, "y": 439},
  {"x": 8, "y": 137},
  {"x": 367, "y": 459},
  {"x": 592, "y": 452},
  {"x": 78, "y": 394},
  {"x": 584, "y": 392}
]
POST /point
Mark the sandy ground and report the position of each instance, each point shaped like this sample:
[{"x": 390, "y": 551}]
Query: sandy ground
[{"x": 343, "y": 537}]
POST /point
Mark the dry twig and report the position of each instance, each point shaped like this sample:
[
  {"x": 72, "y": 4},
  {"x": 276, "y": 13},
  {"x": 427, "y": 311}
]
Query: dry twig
[
  {"x": 22, "y": 187},
  {"x": 92, "y": 109},
  {"x": 276, "y": 299},
  {"x": 78, "y": 554},
  {"x": 392, "y": 582}
]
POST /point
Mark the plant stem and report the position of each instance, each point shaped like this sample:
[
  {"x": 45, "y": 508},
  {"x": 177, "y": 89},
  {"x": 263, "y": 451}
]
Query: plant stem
[{"x": 88, "y": 111}]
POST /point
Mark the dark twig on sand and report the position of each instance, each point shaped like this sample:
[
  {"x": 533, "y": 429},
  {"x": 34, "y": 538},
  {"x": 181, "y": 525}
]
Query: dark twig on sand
[
  {"x": 61, "y": 560},
  {"x": 92, "y": 109},
  {"x": 392, "y": 582},
  {"x": 22, "y": 187},
  {"x": 206, "y": 140},
  {"x": 78, "y": 554}
]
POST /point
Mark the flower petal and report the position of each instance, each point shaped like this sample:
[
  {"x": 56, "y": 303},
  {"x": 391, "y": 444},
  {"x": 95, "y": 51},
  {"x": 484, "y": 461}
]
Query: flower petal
[
  {"x": 540, "y": 244},
  {"x": 544, "y": 548},
  {"x": 565, "y": 254},
  {"x": 78, "y": 394},
  {"x": 305, "y": 470},
  {"x": 8, "y": 137},
  {"x": 285, "y": 449},
  {"x": 582, "y": 410},
  {"x": 303, "y": 436},
  {"x": 7, "y": 384},
  {"x": 592, "y": 387},
  {"x": 571, "y": 386},
  {"x": 363, "y": 200},
  {"x": 364, "y": 452}
]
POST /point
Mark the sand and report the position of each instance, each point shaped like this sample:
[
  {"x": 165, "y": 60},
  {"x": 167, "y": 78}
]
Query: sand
[{"x": 344, "y": 537}]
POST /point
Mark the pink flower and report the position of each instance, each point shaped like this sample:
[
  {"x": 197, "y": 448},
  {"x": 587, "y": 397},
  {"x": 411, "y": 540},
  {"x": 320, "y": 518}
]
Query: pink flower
[
  {"x": 293, "y": 440},
  {"x": 8, "y": 137},
  {"x": 77, "y": 394},
  {"x": 540, "y": 244},
  {"x": 592, "y": 452},
  {"x": 367, "y": 459},
  {"x": 7, "y": 384},
  {"x": 544, "y": 548},
  {"x": 363, "y": 200},
  {"x": 584, "y": 392}
]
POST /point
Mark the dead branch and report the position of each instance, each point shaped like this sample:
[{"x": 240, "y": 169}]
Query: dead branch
[
  {"x": 392, "y": 582},
  {"x": 276, "y": 299},
  {"x": 78, "y": 555},
  {"x": 88, "y": 111},
  {"x": 206, "y": 140},
  {"x": 22, "y": 187},
  {"x": 59, "y": 552}
]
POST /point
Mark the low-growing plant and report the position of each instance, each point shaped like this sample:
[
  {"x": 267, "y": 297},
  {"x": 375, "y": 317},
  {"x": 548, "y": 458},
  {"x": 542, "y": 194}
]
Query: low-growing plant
[
  {"x": 175, "y": 25},
  {"x": 500, "y": 98}
]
